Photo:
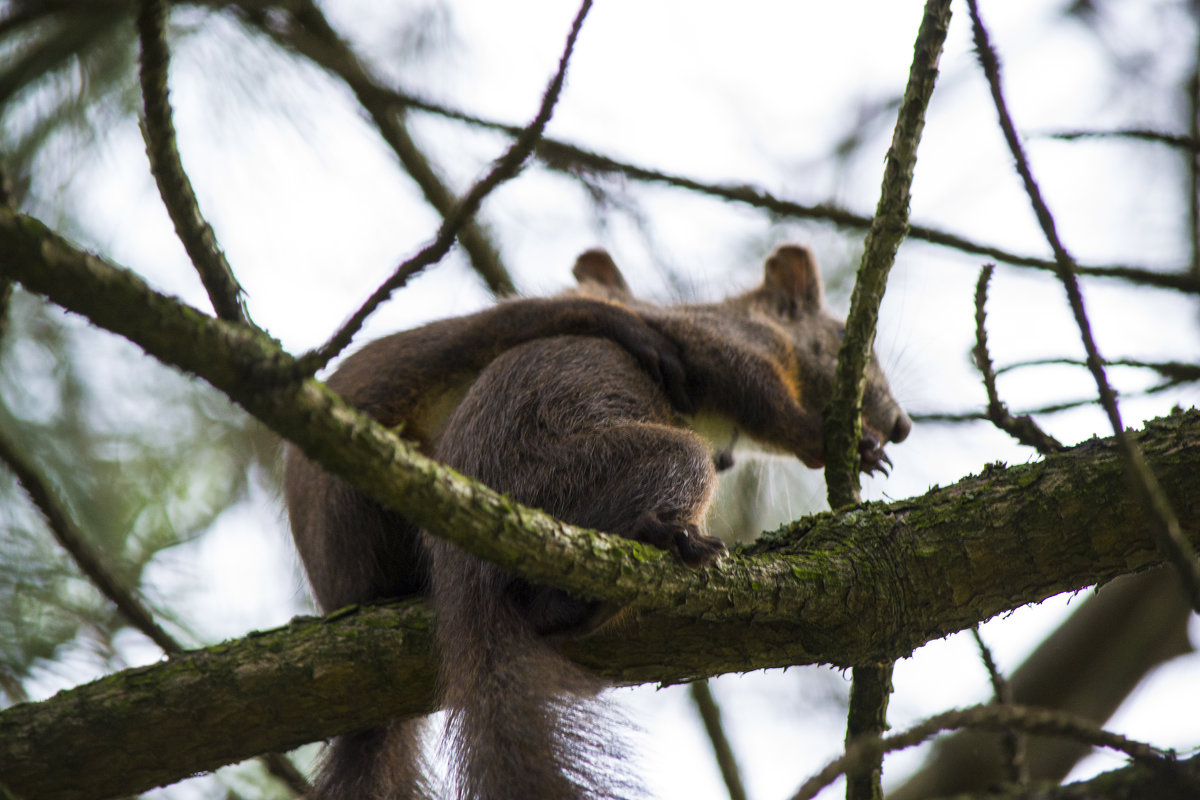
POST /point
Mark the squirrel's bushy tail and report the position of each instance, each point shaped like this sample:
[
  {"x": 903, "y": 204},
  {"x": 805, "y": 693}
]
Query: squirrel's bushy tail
[
  {"x": 377, "y": 764},
  {"x": 523, "y": 720}
]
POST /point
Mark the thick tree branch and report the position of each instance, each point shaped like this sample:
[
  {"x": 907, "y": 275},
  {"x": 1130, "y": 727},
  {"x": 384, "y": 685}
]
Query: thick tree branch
[{"x": 883, "y": 579}]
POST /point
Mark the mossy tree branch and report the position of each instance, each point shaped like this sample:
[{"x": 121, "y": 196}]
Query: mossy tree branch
[{"x": 882, "y": 580}]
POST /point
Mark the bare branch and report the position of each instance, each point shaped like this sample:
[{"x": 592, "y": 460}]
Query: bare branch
[
  {"x": 307, "y": 32},
  {"x": 1188, "y": 143},
  {"x": 505, "y": 168},
  {"x": 1023, "y": 428},
  {"x": 1173, "y": 372},
  {"x": 710, "y": 715},
  {"x": 1014, "y": 742},
  {"x": 173, "y": 184},
  {"x": 1166, "y": 524},
  {"x": 1030, "y": 720},
  {"x": 872, "y": 683},
  {"x": 574, "y": 160}
]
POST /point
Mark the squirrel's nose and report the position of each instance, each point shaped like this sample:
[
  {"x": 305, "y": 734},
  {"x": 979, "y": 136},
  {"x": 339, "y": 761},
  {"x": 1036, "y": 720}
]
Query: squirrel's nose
[{"x": 901, "y": 427}]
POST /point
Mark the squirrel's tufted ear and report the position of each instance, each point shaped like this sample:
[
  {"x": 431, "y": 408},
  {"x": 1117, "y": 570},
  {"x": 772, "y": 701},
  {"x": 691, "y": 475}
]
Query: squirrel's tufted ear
[
  {"x": 596, "y": 266},
  {"x": 792, "y": 282}
]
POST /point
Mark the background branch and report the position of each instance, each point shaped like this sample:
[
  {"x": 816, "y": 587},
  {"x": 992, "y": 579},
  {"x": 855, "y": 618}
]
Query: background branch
[
  {"x": 571, "y": 159},
  {"x": 1166, "y": 524},
  {"x": 1088, "y": 667},
  {"x": 305, "y": 31},
  {"x": 505, "y": 168},
  {"x": 91, "y": 564},
  {"x": 173, "y": 184},
  {"x": 1032, "y": 720},
  {"x": 710, "y": 715}
]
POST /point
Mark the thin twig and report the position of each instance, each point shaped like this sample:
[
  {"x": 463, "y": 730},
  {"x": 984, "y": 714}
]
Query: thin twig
[
  {"x": 1188, "y": 143},
  {"x": 1174, "y": 546},
  {"x": 1013, "y": 741},
  {"x": 1042, "y": 722},
  {"x": 1175, "y": 372},
  {"x": 710, "y": 714},
  {"x": 307, "y": 32},
  {"x": 1022, "y": 428},
  {"x": 173, "y": 184},
  {"x": 871, "y": 685},
  {"x": 1193, "y": 160},
  {"x": 505, "y": 168},
  {"x": 90, "y": 562},
  {"x": 1052, "y": 408}
]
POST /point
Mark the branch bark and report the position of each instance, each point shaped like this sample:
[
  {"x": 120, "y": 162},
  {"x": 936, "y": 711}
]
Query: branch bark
[{"x": 884, "y": 579}]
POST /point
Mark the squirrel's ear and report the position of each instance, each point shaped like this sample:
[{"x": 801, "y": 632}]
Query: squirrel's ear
[
  {"x": 792, "y": 281},
  {"x": 596, "y": 266}
]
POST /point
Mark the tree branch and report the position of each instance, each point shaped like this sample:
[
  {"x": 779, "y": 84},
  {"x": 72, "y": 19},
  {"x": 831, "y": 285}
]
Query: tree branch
[
  {"x": 872, "y": 682},
  {"x": 173, "y": 184},
  {"x": 883, "y": 580},
  {"x": 710, "y": 715},
  {"x": 1088, "y": 666},
  {"x": 505, "y": 168},
  {"x": 306, "y": 31},
  {"x": 1031, "y": 720},
  {"x": 574, "y": 160},
  {"x": 1023, "y": 428},
  {"x": 1158, "y": 508}
]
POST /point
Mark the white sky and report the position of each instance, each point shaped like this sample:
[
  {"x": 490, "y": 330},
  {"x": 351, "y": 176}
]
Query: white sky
[{"x": 313, "y": 214}]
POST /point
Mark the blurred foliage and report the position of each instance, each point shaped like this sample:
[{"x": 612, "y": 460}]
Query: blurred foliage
[
  {"x": 142, "y": 458},
  {"x": 65, "y": 79}
]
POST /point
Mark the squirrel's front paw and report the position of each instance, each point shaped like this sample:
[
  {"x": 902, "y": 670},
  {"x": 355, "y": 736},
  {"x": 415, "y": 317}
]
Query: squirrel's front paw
[
  {"x": 684, "y": 539},
  {"x": 871, "y": 455}
]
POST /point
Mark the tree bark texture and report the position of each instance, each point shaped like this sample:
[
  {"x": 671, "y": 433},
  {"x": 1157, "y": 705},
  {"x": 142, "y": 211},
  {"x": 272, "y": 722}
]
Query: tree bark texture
[{"x": 884, "y": 580}]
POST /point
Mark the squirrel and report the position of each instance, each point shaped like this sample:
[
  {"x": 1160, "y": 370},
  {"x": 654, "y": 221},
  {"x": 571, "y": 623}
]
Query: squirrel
[{"x": 594, "y": 427}]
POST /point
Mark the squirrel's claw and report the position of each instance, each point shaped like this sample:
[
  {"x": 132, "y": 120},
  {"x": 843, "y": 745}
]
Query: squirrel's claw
[{"x": 872, "y": 456}]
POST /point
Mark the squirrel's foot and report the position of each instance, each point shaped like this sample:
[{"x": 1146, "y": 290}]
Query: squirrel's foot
[{"x": 684, "y": 539}]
